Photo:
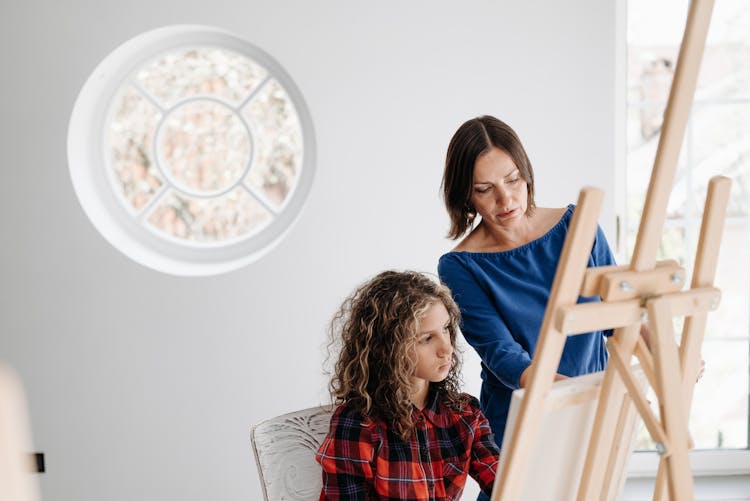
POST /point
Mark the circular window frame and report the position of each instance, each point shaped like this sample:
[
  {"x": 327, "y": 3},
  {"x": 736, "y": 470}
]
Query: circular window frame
[{"x": 87, "y": 158}]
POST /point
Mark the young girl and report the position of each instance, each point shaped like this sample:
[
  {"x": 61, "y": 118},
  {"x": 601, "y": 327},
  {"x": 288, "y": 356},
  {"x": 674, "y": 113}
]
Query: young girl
[{"x": 402, "y": 430}]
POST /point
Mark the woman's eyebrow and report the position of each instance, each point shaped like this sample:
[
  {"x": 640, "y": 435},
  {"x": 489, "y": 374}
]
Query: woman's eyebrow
[{"x": 514, "y": 171}]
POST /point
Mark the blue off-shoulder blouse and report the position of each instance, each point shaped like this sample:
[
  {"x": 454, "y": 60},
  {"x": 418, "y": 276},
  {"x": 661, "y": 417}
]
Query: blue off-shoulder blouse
[{"x": 502, "y": 297}]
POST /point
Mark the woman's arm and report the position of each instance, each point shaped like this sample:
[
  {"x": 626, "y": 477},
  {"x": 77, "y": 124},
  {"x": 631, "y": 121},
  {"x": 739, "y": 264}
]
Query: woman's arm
[
  {"x": 482, "y": 325},
  {"x": 526, "y": 374}
]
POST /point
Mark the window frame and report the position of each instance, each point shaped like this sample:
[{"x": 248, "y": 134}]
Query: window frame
[{"x": 92, "y": 183}]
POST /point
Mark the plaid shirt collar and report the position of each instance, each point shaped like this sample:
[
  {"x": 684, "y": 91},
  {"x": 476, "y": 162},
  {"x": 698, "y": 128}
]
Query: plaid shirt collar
[{"x": 435, "y": 411}]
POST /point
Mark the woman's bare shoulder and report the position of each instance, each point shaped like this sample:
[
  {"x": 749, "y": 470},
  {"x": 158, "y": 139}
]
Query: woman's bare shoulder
[
  {"x": 546, "y": 218},
  {"x": 468, "y": 244},
  {"x": 461, "y": 247},
  {"x": 547, "y": 213},
  {"x": 549, "y": 216}
]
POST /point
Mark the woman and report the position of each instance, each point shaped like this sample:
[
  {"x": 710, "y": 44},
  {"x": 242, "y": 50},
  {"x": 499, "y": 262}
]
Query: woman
[{"x": 501, "y": 273}]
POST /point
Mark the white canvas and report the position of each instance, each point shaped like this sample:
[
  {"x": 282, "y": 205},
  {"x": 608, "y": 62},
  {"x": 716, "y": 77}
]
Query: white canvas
[{"x": 560, "y": 450}]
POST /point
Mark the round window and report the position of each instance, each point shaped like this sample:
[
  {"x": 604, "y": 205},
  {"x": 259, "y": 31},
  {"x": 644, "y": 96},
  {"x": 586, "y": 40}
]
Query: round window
[{"x": 191, "y": 150}]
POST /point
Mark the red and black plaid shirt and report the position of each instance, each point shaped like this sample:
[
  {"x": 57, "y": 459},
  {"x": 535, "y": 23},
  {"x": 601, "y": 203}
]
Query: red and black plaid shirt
[{"x": 362, "y": 459}]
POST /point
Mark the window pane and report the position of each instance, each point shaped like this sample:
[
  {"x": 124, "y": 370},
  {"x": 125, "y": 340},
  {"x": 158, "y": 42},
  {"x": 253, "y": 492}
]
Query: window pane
[
  {"x": 205, "y": 146},
  {"x": 131, "y": 131},
  {"x": 721, "y": 145},
  {"x": 724, "y": 69},
  {"x": 642, "y": 145},
  {"x": 201, "y": 72},
  {"x": 233, "y": 215},
  {"x": 655, "y": 31},
  {"x": 718, "y": 417},
  {"x": 656, "y": 23},
  {"x": 719, "y": 412},
  {"x": 278, "y": 155},
  {"x": 717, "y": 142},
  {"x": 733, "y": 278}
]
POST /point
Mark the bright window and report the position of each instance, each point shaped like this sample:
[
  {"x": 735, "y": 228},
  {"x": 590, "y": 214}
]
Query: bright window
[
  {"x": 191, "y": 150},
  {"x": 717, "y": 142}
]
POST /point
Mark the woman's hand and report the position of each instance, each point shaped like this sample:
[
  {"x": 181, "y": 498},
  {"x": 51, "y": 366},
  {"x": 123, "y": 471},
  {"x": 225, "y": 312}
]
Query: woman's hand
[
  {"x": 527, "y": 374},
  {"x": 701, "y": 370}
]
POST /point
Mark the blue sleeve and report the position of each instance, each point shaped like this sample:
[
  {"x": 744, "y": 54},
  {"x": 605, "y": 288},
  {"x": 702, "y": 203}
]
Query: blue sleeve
[
  {"x": 482, "y": 325},
  {"x": 601, "y": 253}
]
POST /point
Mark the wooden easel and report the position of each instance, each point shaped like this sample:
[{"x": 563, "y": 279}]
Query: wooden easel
[{"x": 645, "y": 290}]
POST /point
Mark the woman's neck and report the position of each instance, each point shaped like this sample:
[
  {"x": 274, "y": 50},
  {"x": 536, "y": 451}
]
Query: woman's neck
[
  {"x": 494, "y": 238},
  {"x": 521, "y": 233}
]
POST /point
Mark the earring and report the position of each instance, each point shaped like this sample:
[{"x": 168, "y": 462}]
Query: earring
[{"x": 470, "y": 214}]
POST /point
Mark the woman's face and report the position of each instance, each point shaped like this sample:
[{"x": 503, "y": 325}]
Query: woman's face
[{"x": 499, "y": 193}]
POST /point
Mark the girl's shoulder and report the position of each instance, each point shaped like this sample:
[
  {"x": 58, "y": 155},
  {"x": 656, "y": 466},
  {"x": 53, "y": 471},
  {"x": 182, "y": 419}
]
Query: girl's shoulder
[
  {"x": 466, "y": 414},
  {"x": 350, "y": 435},
  {"x": 348, "y": 416},
  {"x": 471, "y": 412},
  {"x": 471, "y": 404},
  {"x": 468, "y": 405}
]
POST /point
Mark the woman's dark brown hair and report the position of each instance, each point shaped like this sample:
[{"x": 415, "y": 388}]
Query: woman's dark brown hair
[
  {"x": 473, "y": 139},
  {"x": 375, "y": 332}
]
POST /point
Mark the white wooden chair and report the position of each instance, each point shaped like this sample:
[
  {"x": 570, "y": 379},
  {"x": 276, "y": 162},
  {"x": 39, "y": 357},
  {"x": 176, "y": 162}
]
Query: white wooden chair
[{"x": 284, "y": 448}]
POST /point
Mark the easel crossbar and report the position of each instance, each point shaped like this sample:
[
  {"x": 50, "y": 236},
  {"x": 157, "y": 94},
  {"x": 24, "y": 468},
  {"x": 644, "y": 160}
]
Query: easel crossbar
[{"x": 587, "y": 317}]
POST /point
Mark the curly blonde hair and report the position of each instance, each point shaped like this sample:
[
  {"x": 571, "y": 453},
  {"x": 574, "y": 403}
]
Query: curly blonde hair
[{"x": 375, "y": 332}]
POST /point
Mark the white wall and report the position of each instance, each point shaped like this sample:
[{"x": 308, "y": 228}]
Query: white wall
[{"x": 143, "y": 385}]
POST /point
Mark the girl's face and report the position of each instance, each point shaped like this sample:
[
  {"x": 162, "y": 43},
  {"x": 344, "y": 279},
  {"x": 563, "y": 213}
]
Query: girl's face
[
  {"x": 433, "y": 348},
  {"x": 498, "y": 191}
]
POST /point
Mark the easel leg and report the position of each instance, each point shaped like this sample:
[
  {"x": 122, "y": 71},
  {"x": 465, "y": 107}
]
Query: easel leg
[
  {"x": 712, "y": 228},
  {"x": 671, "y": 402},
  {"x": 607, "y": 414},
  {"x": 619, "y": 455},
  {"x": 660, "y": 486},
  {"x": 706, "y": 260}
]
